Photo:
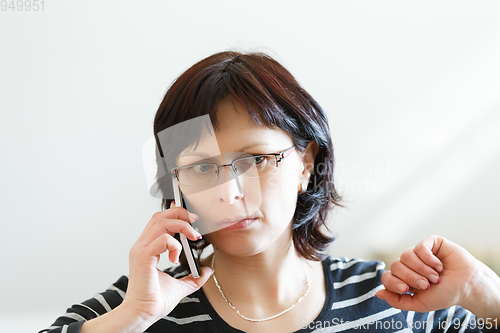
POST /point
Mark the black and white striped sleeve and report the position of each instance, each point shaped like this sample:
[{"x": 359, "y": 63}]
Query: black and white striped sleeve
[{"x": 76, "y": 315}]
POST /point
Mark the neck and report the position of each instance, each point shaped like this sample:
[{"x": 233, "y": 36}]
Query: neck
[{"x": 262, "y": 284}]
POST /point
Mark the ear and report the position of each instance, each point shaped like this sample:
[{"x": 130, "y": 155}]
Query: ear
[{"x": 309, "y": 155}]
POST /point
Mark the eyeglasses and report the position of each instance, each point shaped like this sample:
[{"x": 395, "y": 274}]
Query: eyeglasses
[{"x": 206, "y": 174}]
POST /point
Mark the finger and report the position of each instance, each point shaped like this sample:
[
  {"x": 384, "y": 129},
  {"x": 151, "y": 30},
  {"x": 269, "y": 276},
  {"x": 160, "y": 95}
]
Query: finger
[
  {"x": 190, "y": 284},
  {"x": 164, "y": 243},
  {"x": 404, "y": 302},
  {"x": 174, "y": 213},
  {"x": 409, "y": 276},
  {"x": 411, "y": 260},
  {"x": 393, "y": 283},
  {"x": 192, "y": 216},
  {"x": 427, "y": 249},
  {"x": 161, "y": 244},
  {"x": 171, "y": 227}
]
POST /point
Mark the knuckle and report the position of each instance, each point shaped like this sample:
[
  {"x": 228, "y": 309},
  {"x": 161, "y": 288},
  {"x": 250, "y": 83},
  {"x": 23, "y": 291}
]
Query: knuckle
[
  {"x": 173, "y": 226},
  {"x": 133, "y": 251},
  {"x": 183, "y": 213},
  {"x": 177, "y": 245},
  {"x": 186, "y": 226},
  {"x": 163, "y": 238},
  {"x": 425, "y": 255},
  {"x": 164, "y": 223},
  {"x": 395, "y": 264},
  {"x": 410, "y": 278},
  {"x": 406, "y": 256},
  {"x": 165, "y": 241},
  {"x": 420, "y": 248},
  {"x": 170, "y": 242},
  {"x": 421, "y": 270}
]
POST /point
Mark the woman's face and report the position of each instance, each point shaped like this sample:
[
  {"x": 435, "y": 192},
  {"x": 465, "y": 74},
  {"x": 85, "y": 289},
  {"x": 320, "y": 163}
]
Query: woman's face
[{"x": 269, "y": 202}]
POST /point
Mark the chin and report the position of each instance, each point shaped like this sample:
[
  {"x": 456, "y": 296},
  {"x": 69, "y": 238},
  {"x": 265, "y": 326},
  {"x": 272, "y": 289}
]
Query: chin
[{"x": 239, "y": 244}]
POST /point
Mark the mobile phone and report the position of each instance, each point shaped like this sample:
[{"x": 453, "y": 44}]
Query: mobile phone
[{"x": 188, "y": 252}]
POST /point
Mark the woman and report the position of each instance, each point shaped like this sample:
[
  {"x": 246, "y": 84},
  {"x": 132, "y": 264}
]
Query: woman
[{"x": 271, "y": 270}]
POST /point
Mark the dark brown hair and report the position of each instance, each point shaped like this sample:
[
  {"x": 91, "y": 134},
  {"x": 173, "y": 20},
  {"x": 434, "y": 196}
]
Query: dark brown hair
[{"x": 272, "y": 97}]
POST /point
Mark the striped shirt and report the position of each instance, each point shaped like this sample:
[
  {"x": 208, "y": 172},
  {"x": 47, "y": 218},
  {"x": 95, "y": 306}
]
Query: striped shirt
[{"x": 350, "y": 307}]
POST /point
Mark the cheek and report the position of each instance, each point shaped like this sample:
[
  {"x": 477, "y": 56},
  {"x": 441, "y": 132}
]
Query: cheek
[
  {"x": 279, "y": 196},
  {"x": 276, "y": 187},
  {"x": 285, "y": 182}
]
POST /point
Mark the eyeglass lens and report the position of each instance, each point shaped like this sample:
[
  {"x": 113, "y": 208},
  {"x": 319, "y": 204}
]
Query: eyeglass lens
[{"x": 203, "y": 174}]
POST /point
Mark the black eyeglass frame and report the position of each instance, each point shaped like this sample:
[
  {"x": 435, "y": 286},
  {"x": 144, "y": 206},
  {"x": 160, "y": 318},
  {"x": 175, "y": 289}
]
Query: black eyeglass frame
[{"x": 280, "y": 156}]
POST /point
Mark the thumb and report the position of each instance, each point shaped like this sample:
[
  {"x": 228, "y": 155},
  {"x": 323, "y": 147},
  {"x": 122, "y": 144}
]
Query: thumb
[
  {"x": 403, "y": 302},
  {"x": 191, "y": 284}
]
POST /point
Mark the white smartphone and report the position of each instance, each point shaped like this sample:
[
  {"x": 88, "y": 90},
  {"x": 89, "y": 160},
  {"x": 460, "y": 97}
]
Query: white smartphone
[{"x": 188, "y": 252}]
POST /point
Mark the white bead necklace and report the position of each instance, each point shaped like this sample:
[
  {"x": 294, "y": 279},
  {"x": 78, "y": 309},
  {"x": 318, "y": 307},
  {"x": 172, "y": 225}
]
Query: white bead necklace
[{"x": 268, "y": 318}]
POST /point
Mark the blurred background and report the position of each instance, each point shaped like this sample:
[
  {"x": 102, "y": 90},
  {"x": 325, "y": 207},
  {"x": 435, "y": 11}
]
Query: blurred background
[{"x": 412, "y": 92}]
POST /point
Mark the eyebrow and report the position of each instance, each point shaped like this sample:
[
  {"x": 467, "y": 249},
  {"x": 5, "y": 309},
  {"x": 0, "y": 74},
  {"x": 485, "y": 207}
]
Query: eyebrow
[
  {"x": 194, "y": 153},
  {"x": 202, "y": 154}
]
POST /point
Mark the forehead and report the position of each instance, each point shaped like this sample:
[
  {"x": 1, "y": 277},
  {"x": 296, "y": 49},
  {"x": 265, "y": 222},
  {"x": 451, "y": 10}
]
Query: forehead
[{"x": 236, "y": 130}]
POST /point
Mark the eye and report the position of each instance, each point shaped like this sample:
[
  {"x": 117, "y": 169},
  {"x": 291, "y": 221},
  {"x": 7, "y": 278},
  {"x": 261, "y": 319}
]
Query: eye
[
  {"x": 201, "y": 168},
  {"x": 259, "y": 159}
]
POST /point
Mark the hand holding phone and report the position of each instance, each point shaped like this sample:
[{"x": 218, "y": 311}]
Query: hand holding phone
[{"x": 151, "y": 293}]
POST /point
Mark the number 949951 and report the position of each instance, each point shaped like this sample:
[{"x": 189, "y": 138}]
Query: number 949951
[{"x": 22, "y": 5}]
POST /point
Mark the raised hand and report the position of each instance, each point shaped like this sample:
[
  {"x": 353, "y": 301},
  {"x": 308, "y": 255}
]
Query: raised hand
[
  {"x": 152, "y": 292},
  {"x": 440, "y": 274}
]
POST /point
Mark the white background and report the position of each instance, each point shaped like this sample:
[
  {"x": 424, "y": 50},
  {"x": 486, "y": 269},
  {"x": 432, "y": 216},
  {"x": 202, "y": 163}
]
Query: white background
[{"x": 411, "y": 90}]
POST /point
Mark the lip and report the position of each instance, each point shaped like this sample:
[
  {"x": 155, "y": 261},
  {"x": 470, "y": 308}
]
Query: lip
[
  {"x": 235, "y": 219},
  {"x": 240, "y": 224}
]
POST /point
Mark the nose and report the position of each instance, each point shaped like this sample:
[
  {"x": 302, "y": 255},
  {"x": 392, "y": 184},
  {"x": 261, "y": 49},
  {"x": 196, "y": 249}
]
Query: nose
[{"x": 229, "y": 191}]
